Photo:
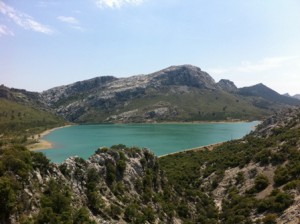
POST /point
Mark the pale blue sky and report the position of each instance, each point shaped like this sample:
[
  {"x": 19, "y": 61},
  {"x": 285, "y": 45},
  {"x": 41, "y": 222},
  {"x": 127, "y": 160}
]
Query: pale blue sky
[{"x": 44, "y": 44}]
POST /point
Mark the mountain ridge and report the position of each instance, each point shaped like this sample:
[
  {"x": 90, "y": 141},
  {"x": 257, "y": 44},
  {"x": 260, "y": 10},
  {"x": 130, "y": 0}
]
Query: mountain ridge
[
  {"x": 177, "y": 93},
  {"x": 164, "y": 95}
]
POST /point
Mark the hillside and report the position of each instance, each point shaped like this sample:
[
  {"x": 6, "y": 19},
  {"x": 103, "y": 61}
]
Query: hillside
[
  {"x": 267, "y": 94},
  {"x": 252, "y": 180},
  {"x": 177, "y": 93},
  {"x": 25, "y": 113}
]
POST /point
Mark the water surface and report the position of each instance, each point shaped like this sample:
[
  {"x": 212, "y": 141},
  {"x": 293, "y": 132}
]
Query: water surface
[{"x": 83, "y": 140}]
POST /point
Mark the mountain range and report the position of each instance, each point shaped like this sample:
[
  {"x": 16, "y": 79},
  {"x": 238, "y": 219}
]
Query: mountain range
[{"x": 178, "y": 93}]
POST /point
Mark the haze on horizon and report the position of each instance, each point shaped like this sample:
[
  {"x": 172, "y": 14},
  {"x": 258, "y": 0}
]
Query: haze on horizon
[{"x": 44, "y": 44}]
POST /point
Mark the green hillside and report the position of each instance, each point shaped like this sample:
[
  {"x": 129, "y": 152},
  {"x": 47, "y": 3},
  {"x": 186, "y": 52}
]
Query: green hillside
[
  {"x": 17, "y": 118},
  {"x": 256, "y": 178},
  {"x": 171, "y": 104}
]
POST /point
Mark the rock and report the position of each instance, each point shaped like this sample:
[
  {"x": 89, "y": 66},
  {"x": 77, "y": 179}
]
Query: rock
[{"x": 227, "y": 86}]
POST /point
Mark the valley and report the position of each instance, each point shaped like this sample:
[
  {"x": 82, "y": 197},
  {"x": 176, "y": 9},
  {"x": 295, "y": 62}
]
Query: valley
[{"x": 250, "y": 180}]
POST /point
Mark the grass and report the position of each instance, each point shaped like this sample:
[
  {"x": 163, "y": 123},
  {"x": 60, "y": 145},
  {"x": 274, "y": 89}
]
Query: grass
[{"x": 18, "y": 118}]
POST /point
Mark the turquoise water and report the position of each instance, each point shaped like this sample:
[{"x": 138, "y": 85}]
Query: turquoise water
[{"x": 83, "y": 140}]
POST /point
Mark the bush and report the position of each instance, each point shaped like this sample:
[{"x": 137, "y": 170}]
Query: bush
[
  {"x": 40, "y": 161},
  {"x": 110, "y": 172},
  {"x": 82, "y": 217},
  {"x": 281, "y": 176},
  {"x": 261, "y": 182},
  {"x": 8, "y": 197},
  {"x": 121, "y": 167},
  {"x": 115, "y": 211},
  {"x": 270, "y": 219},
  {"x": 277, "y": 202},
  {"x": 131, "y": 212}
]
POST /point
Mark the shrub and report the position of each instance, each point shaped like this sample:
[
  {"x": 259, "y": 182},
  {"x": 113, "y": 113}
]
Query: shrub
[
  {"x": 121, "y": 167},
  {"x": 40, "y": 161},
  {"x": 281, "y": 176},
  {"x": 110, "y": 172},
  {"x": 8, "y": 197},
  {"x": 270, "y": 219},
  {"x": 261, "y": 182},
  {"x": 82, "y": 216}
]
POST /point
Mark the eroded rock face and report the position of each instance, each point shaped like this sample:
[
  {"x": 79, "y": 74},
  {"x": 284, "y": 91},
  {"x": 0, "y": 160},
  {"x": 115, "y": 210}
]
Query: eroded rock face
[
  {"x": 186, "y": 75},
  {"x": 107, "y": 95},
  {"x": 109, "y": 182},
  {"x": 227, "y": 85}
]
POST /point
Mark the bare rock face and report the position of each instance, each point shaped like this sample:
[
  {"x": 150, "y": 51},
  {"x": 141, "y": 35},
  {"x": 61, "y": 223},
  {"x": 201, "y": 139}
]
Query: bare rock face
[
  {"x": 227, "y": 86},
  {"x": 109, "y": 96},
  {"x": 185, "y": 75},
  {"x": 109, "y": 182}
]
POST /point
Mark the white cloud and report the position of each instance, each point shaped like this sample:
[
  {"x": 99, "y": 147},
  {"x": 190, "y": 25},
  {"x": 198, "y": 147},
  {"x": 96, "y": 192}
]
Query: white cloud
[
  {"x": 23, "y": 20},
  {"x": 116, "y": 3},
  {"x": 68, "y": 19},
  {"x": 73, "y": 22},
  {"x": 279, "y": 73},
  {"x": 265, "y": 64},
  {"x": 4, "y": 31}
]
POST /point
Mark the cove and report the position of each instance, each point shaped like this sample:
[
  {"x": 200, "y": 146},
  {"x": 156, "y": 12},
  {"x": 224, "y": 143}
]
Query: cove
[{"x": 162, "y": 139}]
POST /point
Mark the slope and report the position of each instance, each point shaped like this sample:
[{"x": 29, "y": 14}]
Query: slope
[
  {"x": 255, "y": 179},
  {"x": 177, "y": 93},
  {"x": 252, "y": 180},
  {"x": 25, "y": 113},
  {"x": 260, "y": 90}
]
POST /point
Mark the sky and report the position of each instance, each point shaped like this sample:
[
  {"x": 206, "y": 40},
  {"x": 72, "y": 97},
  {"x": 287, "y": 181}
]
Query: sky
[{"x": 48, "y": 43}]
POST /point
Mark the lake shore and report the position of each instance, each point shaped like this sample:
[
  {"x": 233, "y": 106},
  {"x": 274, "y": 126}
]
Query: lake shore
[
  {"x": 196, "y": 149},
  {"x": 40, "y": 143}
]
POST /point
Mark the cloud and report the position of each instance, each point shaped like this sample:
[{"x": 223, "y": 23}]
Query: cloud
[
  {"x": 23, "y": 20},
  {"x": 4, "y": 31},
  {"x": 266, "y": 64},
  {"x": 73, "y": 22},
  {"x": 116, "y": 3},
  {"x": 45, "y": 4}
]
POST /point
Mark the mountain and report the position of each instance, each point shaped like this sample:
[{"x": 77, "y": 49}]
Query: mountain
[
  {"x": 177, "y": 93},
  {"x": 227, "y": 85},
  {"x": 251, "y": 180},
  {"x": 297, "y": 96},
  {"x": 25, "y": 112},
  {"x": 264, "y": 92}
]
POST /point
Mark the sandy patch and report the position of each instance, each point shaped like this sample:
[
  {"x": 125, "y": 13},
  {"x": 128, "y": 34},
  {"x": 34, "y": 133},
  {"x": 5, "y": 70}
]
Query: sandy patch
[{"x": 40, "y": 143}]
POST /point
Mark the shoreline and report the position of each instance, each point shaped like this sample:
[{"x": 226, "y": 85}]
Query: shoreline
[
  {"x": 196, "y": 149},
  {"x": 177, "y": 122},
  {"x": 42, "y": 144}
]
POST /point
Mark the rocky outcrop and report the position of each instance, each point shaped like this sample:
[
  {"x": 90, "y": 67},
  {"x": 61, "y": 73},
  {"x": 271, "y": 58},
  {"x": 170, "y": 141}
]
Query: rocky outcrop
[
  {"x": 227, "y": 86},
  {"x": 116, "y": 185},
  {"x": 186, "y": 75}
]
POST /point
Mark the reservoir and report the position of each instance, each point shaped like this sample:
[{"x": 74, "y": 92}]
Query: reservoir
[{"x": 161, "y": 139}]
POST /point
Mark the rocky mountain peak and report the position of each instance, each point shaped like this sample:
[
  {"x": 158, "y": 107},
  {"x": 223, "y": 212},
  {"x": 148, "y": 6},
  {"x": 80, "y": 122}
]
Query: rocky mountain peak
[
  {"x": 227, "y": 85},
  {"x": 185, "y": 75},
  {"x": 297, "y": 96}
]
